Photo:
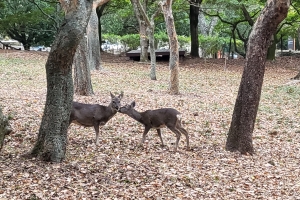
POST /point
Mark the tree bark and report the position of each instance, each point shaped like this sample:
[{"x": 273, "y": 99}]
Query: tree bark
[
  {"x": 150, "y": 32},
  {"x": 150, "y": 27},
  {"x": 272, "y": 48},
  {"x": 5, "y": 128},
  {"x": 93, "y": 41},
  {"x": 194, "y": 13},
  {"x": 52, "y": 138},
  {"x": 143, "y": 30},
  {"x": 82, "y": 74},
  {"x": 166, "y": 6},
  {"x": 99, "y": 11},
  {"x": 246, "y": 105}
]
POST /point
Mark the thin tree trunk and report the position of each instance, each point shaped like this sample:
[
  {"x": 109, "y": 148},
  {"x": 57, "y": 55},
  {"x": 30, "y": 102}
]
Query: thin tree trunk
[
  {"x": 194, "y": 13},
  {"x": 143, "y": 30},
  {"x": 150, "y": 31},
  {"x": 246, "y": 106},
  {"x": 166, "y": 6},
  {"x": 272, "y": 49},
  {"x": 150, "y": 27},
  {"x": 99, "y": 11}
]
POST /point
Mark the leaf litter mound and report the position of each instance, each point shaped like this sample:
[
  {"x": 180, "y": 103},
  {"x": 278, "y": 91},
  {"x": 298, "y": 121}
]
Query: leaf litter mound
[{"x": 121, "y": 168}]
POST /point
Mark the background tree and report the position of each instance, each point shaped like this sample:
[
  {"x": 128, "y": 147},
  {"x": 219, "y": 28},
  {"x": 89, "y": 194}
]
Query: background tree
[
  {"x": 27, "y": 23},
  {"x": 118, "y": 18},
  {"x": 238, "y": 16},
  {"x": 194, "y": 14},
  {"x": 93, "y": 41},
  {"x": 150, "y": 26},
  {"x": 246, "y": 106},
  {"x": 87, "y": 57},
  {"x": 99, "y": 12},
  {"x": 143, "y": 29},
  {"x": 52, "y": 138},
  {"x": 82, "y": 71},
  {"x": 166, "y": 6}
]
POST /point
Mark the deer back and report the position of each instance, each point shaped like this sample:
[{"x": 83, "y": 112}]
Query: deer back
[{"x": 160, "y": 117}]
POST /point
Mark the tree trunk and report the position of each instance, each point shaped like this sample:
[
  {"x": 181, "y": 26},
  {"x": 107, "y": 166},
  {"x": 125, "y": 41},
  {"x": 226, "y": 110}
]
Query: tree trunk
[
  {"x": 166, "y": 6},
  {"x": 246, "y": 106},
  {"x": 52, "y": 137},
  {"x": 93, "y": 41},
  {"x": 143, "y": 31},
  {"x": 82, "y": 74},
  {"x": 272, "y": 49},
  {"x": 5, "y": 128},
  {"x": 194, "y": 13},
  {"x": 150, "y": 31},
  {"x": 99, "y": 11}
]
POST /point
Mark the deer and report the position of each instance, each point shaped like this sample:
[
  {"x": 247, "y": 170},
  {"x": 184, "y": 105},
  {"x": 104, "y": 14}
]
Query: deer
[
  {"x": 157, "y": 119},
  {"x": 95, "y": 115}
]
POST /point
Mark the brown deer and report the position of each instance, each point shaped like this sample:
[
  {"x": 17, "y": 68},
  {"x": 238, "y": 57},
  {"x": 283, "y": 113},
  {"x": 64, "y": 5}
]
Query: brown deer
[
  {"x": 157, "y": 119},
  {"x": 95, "y": 115}
]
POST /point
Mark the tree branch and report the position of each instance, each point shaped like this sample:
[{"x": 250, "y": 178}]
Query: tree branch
[{"x": 49, "y": 16}]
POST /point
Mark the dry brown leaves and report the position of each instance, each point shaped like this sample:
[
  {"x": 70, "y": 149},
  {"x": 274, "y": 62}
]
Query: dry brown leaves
[{"x": 122, "y": 169}]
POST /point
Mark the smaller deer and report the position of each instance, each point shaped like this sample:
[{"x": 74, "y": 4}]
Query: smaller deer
[
  {"x": 95, "y": 115},
  {"x": 157, "y": 119}
]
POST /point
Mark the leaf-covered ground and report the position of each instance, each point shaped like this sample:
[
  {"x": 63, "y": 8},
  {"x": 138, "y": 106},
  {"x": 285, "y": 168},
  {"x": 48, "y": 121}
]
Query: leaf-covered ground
[{"x": 122, "y": 169}]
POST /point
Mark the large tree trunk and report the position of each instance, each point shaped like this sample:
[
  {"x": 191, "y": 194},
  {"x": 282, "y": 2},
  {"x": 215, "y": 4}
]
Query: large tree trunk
[
  {"x": 166, "y": 6},
  {"x": 143, "y": 30},
  {"x": 82, "y": 74},
  {"x": 245, "y": 110},
  {"x": 194, "y": 13},
  {"x": 52, "y": 137},
  {"x": 5, "y": 128}
]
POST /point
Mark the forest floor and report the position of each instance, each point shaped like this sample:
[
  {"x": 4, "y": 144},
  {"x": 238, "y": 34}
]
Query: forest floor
[{"x": 119, "y": 168}]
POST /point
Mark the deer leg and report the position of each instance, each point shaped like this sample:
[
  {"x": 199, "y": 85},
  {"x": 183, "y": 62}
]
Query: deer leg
[
  {"x": 145, "y": 133},
  {"x": 159, "y": 134},
  {"x": 182, "y": 130},
  {"x": 96, "y": 127},
  {"x": 178, "y": 134}
]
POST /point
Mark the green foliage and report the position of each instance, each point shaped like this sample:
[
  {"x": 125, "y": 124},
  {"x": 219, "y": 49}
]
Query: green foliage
[
  {"x": 183, "y": 41},
  {"x": 131, "y": 41},
  {"x": 22, "y": 20},
  {"x": 119, "y": 19},
  {"x": 211, "y": 44},
  {"x": 111, "y": 38},
  {"x": 161, "y": 37}
]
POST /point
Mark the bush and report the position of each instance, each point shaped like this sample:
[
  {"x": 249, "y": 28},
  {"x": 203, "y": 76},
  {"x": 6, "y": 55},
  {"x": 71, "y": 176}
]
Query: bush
[
  {"x": 131, "y": 41},
  {"x": 211, "y": 44}
]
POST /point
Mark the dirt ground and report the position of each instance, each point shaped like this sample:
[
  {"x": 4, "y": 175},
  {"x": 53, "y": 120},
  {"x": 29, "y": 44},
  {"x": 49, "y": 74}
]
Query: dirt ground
[{"x": 121, "y": 168}]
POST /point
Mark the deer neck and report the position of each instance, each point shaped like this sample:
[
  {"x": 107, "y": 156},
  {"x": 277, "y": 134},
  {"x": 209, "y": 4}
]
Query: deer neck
[
  {"x": 113, "y": 110},
  {"x": 136, "y": 115}
]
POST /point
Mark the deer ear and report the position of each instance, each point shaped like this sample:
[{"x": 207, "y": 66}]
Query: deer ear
[
  {"x": 112, "y": 96},
  {"x": 121, "y": 95},
  {"x": 133, "y": 104}
]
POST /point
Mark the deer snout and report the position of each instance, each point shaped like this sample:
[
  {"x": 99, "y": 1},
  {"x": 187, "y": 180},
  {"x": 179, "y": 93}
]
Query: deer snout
[{"x": 121, "y": 108}]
